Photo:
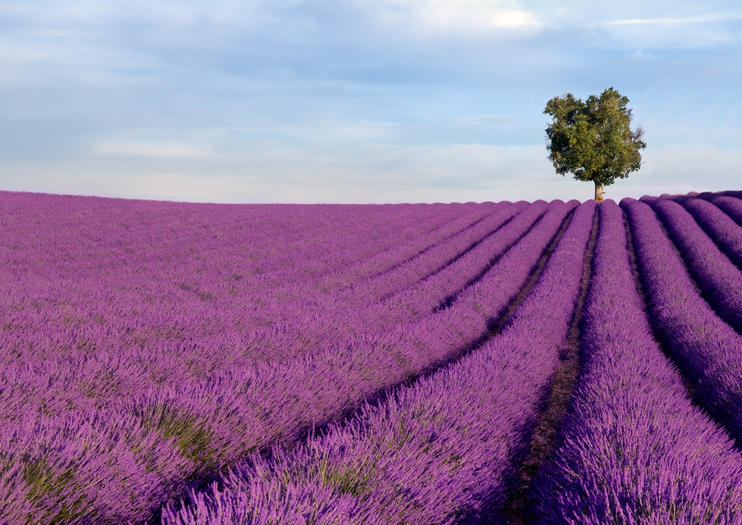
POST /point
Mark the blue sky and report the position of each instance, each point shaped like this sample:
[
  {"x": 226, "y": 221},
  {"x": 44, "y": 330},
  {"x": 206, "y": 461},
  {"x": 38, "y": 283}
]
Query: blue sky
[{"x": 356, "y": 100}]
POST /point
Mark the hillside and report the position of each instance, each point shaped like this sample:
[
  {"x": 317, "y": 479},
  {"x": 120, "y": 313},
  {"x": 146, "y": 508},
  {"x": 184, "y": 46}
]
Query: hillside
[{"x": 560, "y": 362}]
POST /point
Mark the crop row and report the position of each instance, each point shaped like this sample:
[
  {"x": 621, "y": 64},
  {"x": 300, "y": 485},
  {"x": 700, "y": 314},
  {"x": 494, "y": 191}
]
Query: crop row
[
  {"x": 398, "y": 250},
  {"x": 720, "y": 281},
  {"x": 730, "y": 205},
  {"x": 433, "y": 259},
  {"x": 707, "y": 349},
  {"x": 720, "y": 227},
  {"x": 633, "y": 448},
  {"x": 439, "y": 450}
]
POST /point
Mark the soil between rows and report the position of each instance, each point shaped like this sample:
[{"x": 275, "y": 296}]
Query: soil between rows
[{"x": 563, "y": 383}]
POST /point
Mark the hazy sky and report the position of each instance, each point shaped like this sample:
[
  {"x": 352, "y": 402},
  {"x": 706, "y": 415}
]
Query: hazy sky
[{"x": 356, "y": 100}]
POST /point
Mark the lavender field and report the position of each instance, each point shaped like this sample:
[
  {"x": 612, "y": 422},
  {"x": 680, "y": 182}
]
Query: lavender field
[{"x": 497, "y": 362}]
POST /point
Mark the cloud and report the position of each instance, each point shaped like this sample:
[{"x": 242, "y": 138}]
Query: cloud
[
  {"x": 156, "y": 150},
  {"x": 691, "y": 31},
  {"x": 515, "y": 19},
  {"x": 366, "y": 173},
  {"x": 452, "y": 17},
  {"x": 377, "y": 173},
  {"x": 672, "y": 21}
]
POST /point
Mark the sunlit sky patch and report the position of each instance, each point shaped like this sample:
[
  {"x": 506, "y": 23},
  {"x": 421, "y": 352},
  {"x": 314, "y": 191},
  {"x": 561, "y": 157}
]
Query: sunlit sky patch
[{"x": 355, "y": 100}]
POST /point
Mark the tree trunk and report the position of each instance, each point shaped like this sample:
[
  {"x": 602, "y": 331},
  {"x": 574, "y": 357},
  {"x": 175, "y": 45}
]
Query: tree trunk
[{"x": 598, "y": 192}]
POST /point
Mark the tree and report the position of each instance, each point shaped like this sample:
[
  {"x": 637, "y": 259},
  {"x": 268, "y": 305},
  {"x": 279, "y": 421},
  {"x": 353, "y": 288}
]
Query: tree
[{"x": 593, "y": 140}]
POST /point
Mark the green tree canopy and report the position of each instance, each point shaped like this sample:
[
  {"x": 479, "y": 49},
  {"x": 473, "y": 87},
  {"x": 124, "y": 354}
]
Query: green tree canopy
[{"x": 593, "y": 139}]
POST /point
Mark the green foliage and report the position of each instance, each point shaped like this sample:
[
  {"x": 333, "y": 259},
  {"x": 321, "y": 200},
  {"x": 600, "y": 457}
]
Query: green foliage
[
  {"x": 593, "y": 139},
  {"x": 353, "y": 481},
  {"x": 46, "y": 485},
  {"x": 192, "y": 437}
]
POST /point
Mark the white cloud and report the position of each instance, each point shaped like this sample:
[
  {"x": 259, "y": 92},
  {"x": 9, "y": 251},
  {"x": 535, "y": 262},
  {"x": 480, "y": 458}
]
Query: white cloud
[
  {"x": 155, "y": 150},
  {"x": 454, "y": 16},
  {"x": 515, "y": 19},
  {"x": 691, "y": 31},
  {"x": 665, "y": 21}
]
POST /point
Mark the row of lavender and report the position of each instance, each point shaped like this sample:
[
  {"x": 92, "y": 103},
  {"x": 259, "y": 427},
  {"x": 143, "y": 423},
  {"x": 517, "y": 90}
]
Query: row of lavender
[
  {"x": 717, "y": 276},
  {"x": 96, "y": 433},
  {"x": 720, "y": 226}
]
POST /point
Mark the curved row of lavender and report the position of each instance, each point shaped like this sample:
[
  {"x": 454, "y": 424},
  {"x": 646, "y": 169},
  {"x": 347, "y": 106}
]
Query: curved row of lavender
[
  {"x": 729, "y": 205},
  {"x": 434, "y": 259},
  {"x": 437, "y": 451},
  {"x": 440, "y": 289},
  {"x": 719, "y": 280},
  {"x": 116, "y": 433},
  {"x": 633, "y": 447},
  {"x": 707, "y": 349},
  {"x": 718, "y": 225}
]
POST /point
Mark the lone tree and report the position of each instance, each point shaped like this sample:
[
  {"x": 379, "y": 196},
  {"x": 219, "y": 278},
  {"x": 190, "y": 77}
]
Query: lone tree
[{"x": 593, "y": 139}]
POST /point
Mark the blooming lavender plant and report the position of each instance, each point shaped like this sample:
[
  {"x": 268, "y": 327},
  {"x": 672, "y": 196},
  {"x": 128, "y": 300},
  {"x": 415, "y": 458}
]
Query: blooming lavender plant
[
  {"x": 106, "y": 300},
  {"x": 147, "y": 347}
]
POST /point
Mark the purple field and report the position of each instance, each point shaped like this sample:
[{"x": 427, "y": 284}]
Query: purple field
[{"x": 412, "y": 364}]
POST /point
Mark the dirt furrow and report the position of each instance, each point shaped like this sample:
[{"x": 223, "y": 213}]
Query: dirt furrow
[{"x": 557, "y": 401}]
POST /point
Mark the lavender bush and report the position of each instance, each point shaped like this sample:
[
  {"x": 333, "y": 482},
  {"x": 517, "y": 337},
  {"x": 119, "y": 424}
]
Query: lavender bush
[{"x": 147, "y": 348}]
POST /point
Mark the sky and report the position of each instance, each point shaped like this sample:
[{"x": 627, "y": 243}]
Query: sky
[{"x": 357, "y": 100}]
